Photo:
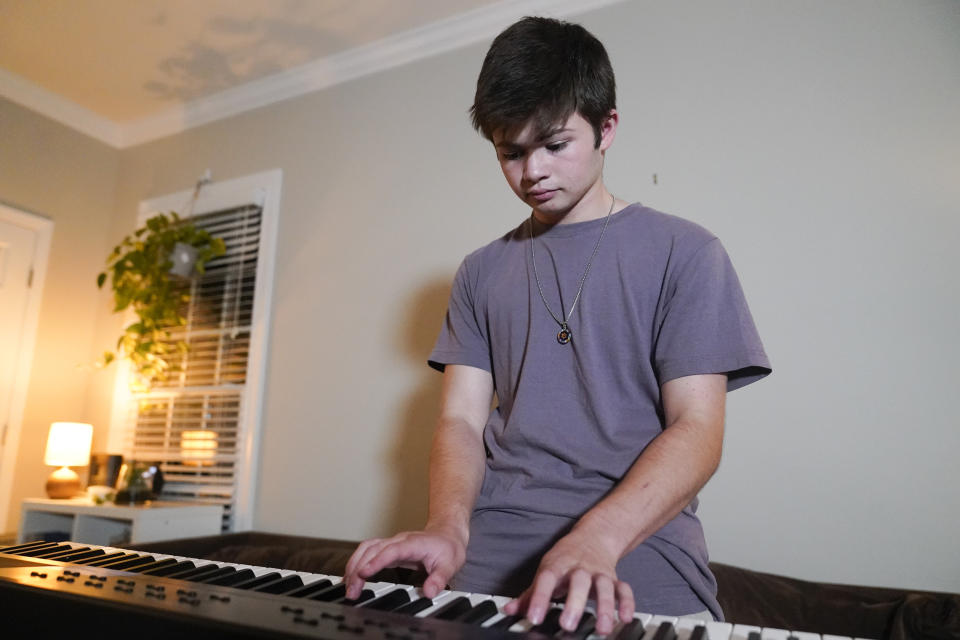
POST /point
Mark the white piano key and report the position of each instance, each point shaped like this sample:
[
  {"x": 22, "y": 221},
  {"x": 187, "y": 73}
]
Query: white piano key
[
  {"x": 774, "y": 634},
  {"x": 719, "y": 630},
  {"x": 685, "y": 627},
  {"x": 804, "y": 635},
  {"x": 741, "y": 631},
  {"x": 441, "y": 598}
]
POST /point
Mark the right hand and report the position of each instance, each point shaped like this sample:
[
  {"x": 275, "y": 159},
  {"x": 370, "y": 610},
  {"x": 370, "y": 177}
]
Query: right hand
[{"x": 439, "y": 552}]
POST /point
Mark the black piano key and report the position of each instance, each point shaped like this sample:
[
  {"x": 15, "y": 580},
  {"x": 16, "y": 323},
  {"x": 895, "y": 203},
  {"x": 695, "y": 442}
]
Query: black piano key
[
  {"x": 310, "y": 589},
  {"x": 159, "y": 564},
  {"x": 127, "y": 565},
  {"x": 551, "y": 622},
  {"x": 480, "y": 613},
  {"x": 754, "y": 635},
  {"x": 231, "y": 579},
  {"x": 506, "y": 622},
  {"x": 39, "y": 553},
  {"x": 83, "y": 555},
  {"x": 176, "y": 567},
  {"x": 415, "y": 607},
  {"x": 56, "y": 555},
  {"x": 283, "y": 585},
  {"x": 700, "y": 633},
  {"x": 365, "y": 596},
  {"x": 584, "y": 628},
  {"x": 792, "y": 637},
  {"x": 330, "y": 594},
  {"x": 206, "y": 572},
  {"x": 666, "y": 631},
  {"x": 26, "y": 546},
  {"x": 258, "y": 581},
  {"x": 111, "y": 558},
  {"x": 105, "y": 558},
  {"x": 633, "y": 630},
  {"x": 389, "y": 601},
  {"x": 452, "y": 609}
]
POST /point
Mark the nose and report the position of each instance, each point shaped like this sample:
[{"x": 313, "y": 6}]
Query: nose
[{"x": 535, "y": 166}]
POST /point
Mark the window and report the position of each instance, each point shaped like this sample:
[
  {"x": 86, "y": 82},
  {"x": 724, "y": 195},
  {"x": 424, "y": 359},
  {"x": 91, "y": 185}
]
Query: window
[{"x": 202, "y": 424}]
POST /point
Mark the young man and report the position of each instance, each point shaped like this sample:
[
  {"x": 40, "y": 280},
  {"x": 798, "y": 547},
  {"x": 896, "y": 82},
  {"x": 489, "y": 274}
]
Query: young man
[{"x": 610, "y": 334}]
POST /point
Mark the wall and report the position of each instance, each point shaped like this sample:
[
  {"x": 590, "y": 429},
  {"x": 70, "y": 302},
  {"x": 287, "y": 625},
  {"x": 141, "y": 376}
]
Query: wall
[
  {"x": 818, "y": 140},
  {"x": 53, "y": 171}
]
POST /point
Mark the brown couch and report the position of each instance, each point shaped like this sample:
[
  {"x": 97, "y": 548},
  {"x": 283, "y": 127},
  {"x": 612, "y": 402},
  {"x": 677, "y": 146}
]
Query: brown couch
[{"x": 747, "y": 597}]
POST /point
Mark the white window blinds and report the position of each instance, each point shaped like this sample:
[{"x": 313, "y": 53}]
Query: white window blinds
[{"x": 191, "y": 423}]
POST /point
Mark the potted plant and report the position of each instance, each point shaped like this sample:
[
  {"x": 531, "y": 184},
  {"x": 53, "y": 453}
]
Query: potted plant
[{"x": 147, "y": 274}]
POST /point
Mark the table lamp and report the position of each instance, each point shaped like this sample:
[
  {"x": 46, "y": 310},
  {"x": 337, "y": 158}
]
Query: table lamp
[{"x": 68, "y": 445}]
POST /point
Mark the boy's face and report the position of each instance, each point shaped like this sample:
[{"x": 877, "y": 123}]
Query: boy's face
[{"x": 558, "y": 173}]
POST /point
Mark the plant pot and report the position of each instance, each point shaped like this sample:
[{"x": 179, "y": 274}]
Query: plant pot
[{"x": 184, "y": 258}]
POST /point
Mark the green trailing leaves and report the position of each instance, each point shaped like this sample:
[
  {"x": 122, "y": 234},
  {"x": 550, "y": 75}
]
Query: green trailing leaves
[{"x": 139, "y": 272}]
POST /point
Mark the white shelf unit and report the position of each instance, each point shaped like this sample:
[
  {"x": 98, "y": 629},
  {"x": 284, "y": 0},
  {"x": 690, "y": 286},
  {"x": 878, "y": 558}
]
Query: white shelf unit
[{"x": 110, "y": 525}]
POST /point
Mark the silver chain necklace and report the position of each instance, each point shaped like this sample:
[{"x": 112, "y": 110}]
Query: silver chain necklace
[{"x": 565, "y": 335}]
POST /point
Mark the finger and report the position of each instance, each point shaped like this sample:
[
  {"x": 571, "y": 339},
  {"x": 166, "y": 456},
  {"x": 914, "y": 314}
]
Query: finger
[
  {"x": 388, "y": 553},
  {"x": 436, "y": 582},
  {"x": 578, "y": 589},
  {"x": 605, "y": 604},
  {"x": 358, "y": 554},
  {"x": 518, "y": 604},
  {"x": 543, "y": 587},
  {"x": 627, "y": 603}
]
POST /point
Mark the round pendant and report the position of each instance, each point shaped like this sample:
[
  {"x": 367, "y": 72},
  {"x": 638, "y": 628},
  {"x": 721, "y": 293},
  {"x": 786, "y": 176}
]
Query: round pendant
[{"x": 564, "y": 336}]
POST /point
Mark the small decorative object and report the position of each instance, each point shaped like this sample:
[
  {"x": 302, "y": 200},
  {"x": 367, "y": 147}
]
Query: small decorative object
[
  {"x": 101, "y": 494},
  {"x": 104, "y": 469},
  {"x": 146, "y": 271},
  {"x": 68, "y": 445},
  {"x": 198, "y": 448},
  {"x": 139, "y": 482}
]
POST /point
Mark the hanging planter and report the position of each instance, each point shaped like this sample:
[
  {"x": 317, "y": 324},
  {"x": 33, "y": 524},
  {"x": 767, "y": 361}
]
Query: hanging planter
[{"x": 147, "y": 271}]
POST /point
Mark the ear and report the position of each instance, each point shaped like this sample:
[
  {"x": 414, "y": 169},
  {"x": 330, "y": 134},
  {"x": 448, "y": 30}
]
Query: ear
[{"x": 608, "y": 130}]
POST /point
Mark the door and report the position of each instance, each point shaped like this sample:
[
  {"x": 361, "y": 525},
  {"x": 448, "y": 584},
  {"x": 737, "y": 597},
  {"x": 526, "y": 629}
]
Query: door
[
  {"x": 24, "y": 249},
  {"x": 17, "y": 248}
]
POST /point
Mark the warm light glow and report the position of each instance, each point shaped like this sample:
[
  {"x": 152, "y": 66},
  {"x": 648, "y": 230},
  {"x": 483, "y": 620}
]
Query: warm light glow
[
  {"x": 198, "y": 447},
  {"x": 68, "y": 444}
]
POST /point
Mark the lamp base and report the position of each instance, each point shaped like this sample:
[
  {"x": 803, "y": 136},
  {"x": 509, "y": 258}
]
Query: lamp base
[{"x": 63, "y": 483}]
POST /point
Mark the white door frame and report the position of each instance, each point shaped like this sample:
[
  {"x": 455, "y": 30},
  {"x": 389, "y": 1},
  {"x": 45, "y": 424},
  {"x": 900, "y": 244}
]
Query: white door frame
[{"x": 21, "y": 380}]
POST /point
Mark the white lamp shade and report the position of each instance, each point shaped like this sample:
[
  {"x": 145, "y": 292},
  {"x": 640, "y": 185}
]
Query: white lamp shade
[{"x": 68, "y": 444}]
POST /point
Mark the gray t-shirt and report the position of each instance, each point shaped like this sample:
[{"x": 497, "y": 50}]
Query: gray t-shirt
[{"x": 661, "y": 301}]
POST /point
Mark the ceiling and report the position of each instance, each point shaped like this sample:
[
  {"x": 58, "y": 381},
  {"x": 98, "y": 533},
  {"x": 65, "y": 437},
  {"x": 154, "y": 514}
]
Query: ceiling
[{"x": 126, "y": 71}]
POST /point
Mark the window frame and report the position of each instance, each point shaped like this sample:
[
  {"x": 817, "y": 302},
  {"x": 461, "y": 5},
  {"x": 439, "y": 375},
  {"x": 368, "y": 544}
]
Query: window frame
[{"x": 262, "y": 189}]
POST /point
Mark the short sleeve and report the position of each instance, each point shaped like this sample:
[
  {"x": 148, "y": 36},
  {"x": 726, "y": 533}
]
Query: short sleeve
[
  {"x": 704, "y": 323},
  {"x": 463, "y": 338}
]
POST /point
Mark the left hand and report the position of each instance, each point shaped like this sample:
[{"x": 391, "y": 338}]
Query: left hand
[{"x": 580, "y": 568}]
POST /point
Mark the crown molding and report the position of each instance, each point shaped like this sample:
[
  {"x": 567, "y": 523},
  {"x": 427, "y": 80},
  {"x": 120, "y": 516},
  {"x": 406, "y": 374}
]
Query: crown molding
[
  {"x": 399, "y": 49},
  {"x": 55, "y": 107}
]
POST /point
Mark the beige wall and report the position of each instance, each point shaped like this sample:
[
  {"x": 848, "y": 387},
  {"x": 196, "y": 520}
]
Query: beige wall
[
  {"x": 817, "y": 139},
  {"x": 55, "y": 172}
]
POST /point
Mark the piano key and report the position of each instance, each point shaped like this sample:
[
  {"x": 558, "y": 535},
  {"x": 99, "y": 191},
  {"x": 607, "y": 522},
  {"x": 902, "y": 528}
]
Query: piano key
[
  {"x": 505, "y": 622},
  {"x": 206, "y": 574},
  {"x": 56, "y": 555},
  {"x": 633, "y": 630},
  {"x": 17, "y": 550},
  {"x": 479, "y": 613},
  {"x": 231, "y": 578},
  {"x": 156, "y": 564},
  {"x": 310, "y": 588},
  {"x": 258, "y": 581},
  {"x": 111, "y": 558},
  {"x": 719, "y": 630},
  {"x": 665, "y": 631},
  {"x": 334, "y": 592},
  {"x": 283, "y": 585},
  {"x": 774, "y": 634},
  {"x": 42, "y": 551},
  {"x": 417, "y": 606},
  {"x": 365, "y": 596},
  {"x": 691, "y": 629},
  {"x": 451, "y": 609},
  {"x": 551, "y": 622},
  {"x": 699, "y": 633},
  {"x": 584, "y": 628},
  {"x": 743, "y": 631},
  {"x": 390, "y": 601},
  {"x": 128, "y": 564},
  {"x": 174, "y": 567},
  {"x": 82, "y": 555}
]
